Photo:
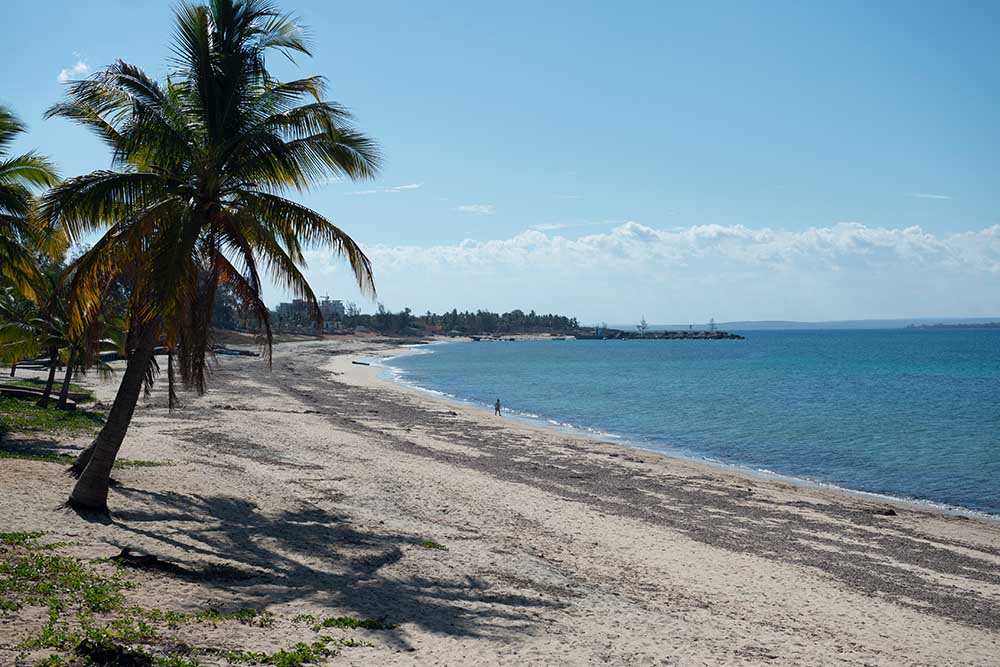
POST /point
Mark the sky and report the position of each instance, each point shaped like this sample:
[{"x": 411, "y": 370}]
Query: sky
[{"x": 727, "y": 160}]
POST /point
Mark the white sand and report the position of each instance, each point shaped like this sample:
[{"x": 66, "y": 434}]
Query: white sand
[{"x": 320, "y": 479}]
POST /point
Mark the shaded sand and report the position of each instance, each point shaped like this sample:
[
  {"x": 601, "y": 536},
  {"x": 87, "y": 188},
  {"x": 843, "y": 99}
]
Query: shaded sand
[{"x": 315, "y": 484}]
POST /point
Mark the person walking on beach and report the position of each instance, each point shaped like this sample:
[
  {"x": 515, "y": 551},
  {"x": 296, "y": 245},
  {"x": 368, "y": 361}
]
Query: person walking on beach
[{"x": 496, "y": 408}]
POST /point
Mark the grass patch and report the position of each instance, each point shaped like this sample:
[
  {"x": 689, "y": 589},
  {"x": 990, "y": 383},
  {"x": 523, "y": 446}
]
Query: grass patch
[
  {"x": 177, "y": 661},
  {"x": 25, "y": 417},
  {"x": 119, "y": 632},
  {"x": 140, "y": 463},
  {"x": 41, "y": 577},
  {"x": 89, "y": 622},
  {"x": 20, "y": 538},
  {"x": 431, "y": 544},
  {"x": 350, "y": 623},
  {"x": 68, "y": 459},
  {"x": 246, "y": 616},
  {"x": 260, "y": 618},
  {"x": 347, "y": 643},
  {"x": 171, "y": 619},
  {"x": 64, "y": 459},
  {"x": 300, "y": 654},
  {"x": 51, "y": 661},
  {"x": 35, "y": 383}
]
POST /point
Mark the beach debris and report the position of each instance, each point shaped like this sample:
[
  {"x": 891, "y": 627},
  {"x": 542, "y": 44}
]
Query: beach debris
[
  {"x": 226, "y": 351},
  {"x": 100, "y": 653},
  {"x": 361, "y": 363},
  {"x": 883, "y": 511},
  {"x": 130, "y": 558}
]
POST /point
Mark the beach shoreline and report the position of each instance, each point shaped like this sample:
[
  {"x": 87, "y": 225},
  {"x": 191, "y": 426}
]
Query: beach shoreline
[
  {"x": 487, "y": 541},
  {"x": 548, "y": 424}
]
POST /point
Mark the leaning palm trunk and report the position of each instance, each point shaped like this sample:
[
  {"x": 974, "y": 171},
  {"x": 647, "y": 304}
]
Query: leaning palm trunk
[
  {"x": 90, "y": 494},
  {"x": 64, "y": 390},
  {"x": 43, "y": 402}
]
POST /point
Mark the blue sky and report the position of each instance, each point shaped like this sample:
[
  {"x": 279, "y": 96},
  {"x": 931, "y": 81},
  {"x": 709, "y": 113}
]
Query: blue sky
[{"x": 732, "y": 160}]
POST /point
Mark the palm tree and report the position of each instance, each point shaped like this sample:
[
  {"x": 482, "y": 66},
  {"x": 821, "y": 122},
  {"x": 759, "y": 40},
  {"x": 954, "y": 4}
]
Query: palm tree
[
  {"x": 17, "y": 334},
  {"x": 194, "y": 200},
  {"x": 28, "y": 329},
  {"x": 19, "y": 175},
  {"x": 84, "y": 352},
  {"x": 52, "y": 333}
]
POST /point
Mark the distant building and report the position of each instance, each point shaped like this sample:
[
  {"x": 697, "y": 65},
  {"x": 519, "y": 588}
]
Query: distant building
[
  {"x": 299, "y": 312},
  {"x": 297, "y": 309},
  {"x": 331, "y": 309}
]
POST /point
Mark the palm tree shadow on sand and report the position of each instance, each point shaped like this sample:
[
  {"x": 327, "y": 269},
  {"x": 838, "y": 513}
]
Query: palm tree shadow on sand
[{"x": 314, "y": 556}]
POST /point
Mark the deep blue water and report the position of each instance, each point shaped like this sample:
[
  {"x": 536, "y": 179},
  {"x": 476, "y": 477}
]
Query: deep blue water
[{"x": 909, "y": 413}]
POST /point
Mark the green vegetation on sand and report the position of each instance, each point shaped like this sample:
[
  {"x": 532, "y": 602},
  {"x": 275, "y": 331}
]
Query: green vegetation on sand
[
  {"x": 35, "y": 383},
  {"x": 18, "y": 416},
  {"x": 89, "y": 616}
]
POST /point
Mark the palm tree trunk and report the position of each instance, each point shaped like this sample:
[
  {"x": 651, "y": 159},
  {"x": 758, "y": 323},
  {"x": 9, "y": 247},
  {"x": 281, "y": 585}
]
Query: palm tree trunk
[
  {"x": 64, "y": 391},
  {"x": 43, "y": 402},
  {"x": 82, "y": 459},
  {"x": 90, "y": 494}
]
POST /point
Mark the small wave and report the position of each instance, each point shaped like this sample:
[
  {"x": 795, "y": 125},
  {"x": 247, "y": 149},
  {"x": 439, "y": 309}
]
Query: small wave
[{"x": 406, "y": 351}]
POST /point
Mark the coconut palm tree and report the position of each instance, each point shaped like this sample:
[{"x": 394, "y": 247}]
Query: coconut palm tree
[
  {"x": 19, "y": 176},
  {"x": 195, "y": 197},
  {"x": 32, "y": 328},
  {"x": 17, "y": 335},
  {"x": 83, "y": 353},
  {"x": 52, "y": 333}
]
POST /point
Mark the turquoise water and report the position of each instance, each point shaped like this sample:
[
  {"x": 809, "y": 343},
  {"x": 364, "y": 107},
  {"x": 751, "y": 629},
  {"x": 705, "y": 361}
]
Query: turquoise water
[{"x": 909, "y": 413}]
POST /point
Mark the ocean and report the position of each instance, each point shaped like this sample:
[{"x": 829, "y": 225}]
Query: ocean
[{"x": 913, "y": 414}]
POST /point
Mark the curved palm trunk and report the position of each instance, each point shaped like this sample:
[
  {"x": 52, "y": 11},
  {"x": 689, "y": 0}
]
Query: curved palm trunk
[
  {"x": 90, "y": 494},
  {"x": 64, "y": 391},
  {"x": 43, "y": 402}
]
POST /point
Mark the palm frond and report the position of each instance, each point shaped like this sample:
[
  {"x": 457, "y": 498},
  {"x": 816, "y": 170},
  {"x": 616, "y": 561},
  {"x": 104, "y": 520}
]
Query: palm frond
[{"x": 202, "y": 162}]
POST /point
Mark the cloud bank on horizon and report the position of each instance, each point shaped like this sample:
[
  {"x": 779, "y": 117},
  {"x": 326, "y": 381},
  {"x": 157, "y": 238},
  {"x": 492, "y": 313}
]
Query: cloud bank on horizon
[{"x": 845, "y": 271}]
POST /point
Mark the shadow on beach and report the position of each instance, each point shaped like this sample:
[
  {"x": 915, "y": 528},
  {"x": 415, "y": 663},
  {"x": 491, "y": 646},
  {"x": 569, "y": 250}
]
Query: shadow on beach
[{"x": 318, "y": 557}]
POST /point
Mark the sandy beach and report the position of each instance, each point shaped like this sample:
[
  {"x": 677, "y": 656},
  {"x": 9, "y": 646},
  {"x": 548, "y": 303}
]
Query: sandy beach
[{"x": 317, "y": 488}]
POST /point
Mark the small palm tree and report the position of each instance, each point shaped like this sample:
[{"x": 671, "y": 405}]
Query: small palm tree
[
  {"x": 83, "y": 353},
  {"x": 19, "y": 176},
  {"x": 52, "y": 332},
  {"x": 29, "y": 329},
  {"x": 17, "y": 333},
  {"x": 195, "y": 201}
]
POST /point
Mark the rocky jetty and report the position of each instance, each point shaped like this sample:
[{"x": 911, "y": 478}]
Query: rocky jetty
[{"x": 617, "y": 334}]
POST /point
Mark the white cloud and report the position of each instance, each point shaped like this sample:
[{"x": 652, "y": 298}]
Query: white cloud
[
  {"x": 926, "y": 195},
  {"x": 552, "y": 226},
  {"x": 395, "y": 188},
  {"x": 79, "y": 70},
  {"x": 844, "y": 271},
  {"x": 477, "y": 209}
]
